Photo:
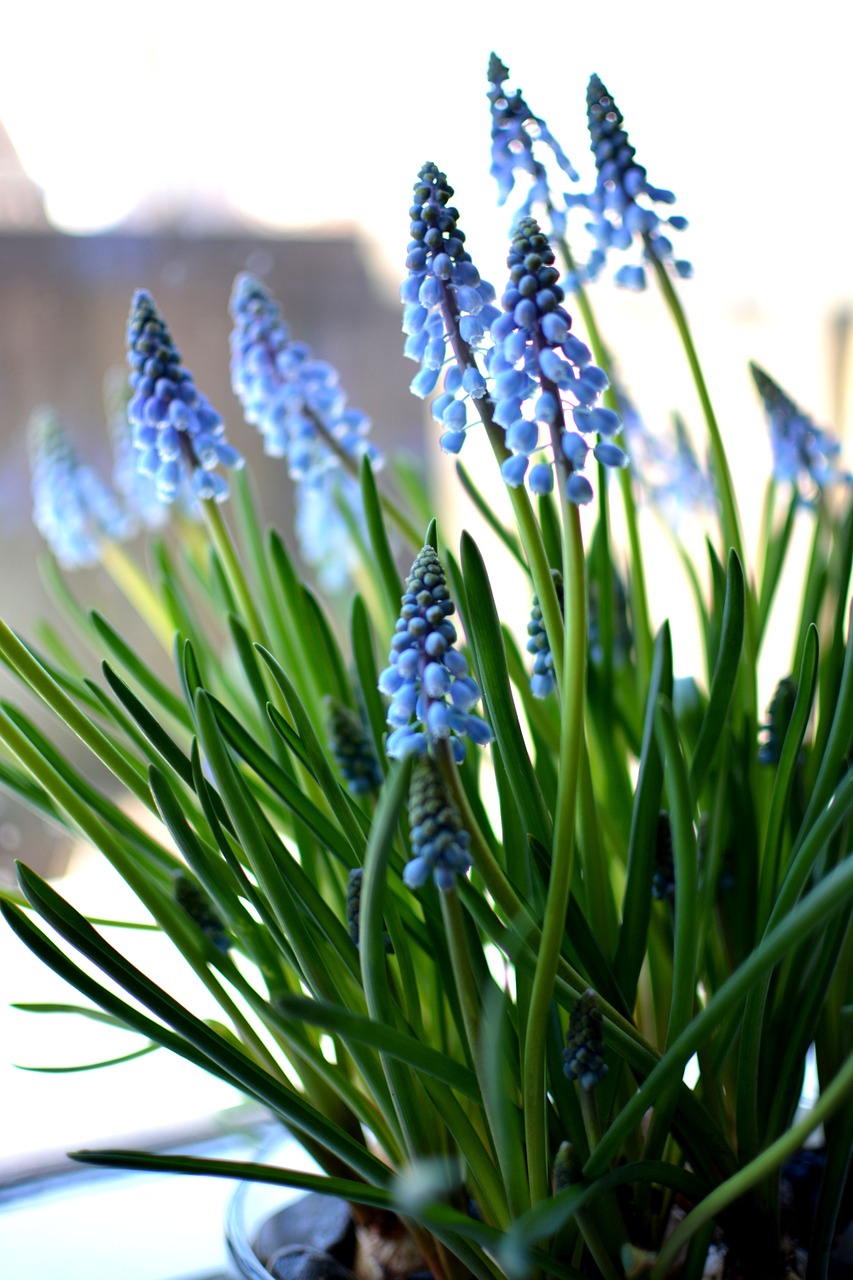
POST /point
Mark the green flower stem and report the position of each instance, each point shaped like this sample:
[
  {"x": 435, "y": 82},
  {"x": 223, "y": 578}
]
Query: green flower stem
[
  {"x": 637, "y": 582},
  {"x": 227, "y": 552},
  {"x": 562, "y": 856},
  {"x": 591, "y": 1118},
  {"x": 729, "y": 513},
  {"x": 757, "y": 1170},
  {"x": 353, "y": 466},
  {"x": 525, "y": 517},
  {"x": 135, "y": 586}
]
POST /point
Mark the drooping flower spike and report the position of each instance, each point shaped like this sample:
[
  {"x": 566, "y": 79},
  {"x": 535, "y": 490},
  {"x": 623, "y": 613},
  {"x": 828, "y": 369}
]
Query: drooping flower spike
[
  {"x": 179, "y": 436},
  {"x": 73, "y": 509},
  {"x": 427, "y": 680},
  {"x": 515, "y": 133},
  {"x": 439, "y": 841},
  {"x": 804, "y": 455},
  {"x": 622, "y": 204},
  {"x": 446, "y": 305},
  {"x": 540, "y": 371},
  {"x": 295, "y": 399}
]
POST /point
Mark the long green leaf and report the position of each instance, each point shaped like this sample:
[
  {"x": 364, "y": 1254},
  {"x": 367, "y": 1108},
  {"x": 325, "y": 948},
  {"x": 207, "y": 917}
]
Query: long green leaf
[
  {"x": 379, "y": 1035},
  {"x": 484, "y": 633},
  {"x": 139, "y": 670},
  {"x": 725, "y": 674},
  {"x": 636, "y": 903}
]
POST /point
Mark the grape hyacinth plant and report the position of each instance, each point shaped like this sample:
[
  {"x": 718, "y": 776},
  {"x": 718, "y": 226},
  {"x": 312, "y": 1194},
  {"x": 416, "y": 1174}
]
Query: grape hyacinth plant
[{"x": 531, "y": 963}]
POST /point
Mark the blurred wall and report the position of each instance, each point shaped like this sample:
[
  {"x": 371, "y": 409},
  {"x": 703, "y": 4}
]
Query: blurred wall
[{"x": 63, "y": 312}]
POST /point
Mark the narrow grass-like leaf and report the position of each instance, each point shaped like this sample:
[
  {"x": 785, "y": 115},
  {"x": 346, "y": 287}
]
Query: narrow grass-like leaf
[
  {"x": 686, "y": 868},
  {"x": 486, "y": 510},
  {"x": 319, "y": 763},
  {"x": 379, "y": 1035},
  {"x": 193, "y": 1037},
  {"x": 636, "y": 903},
  {"x": 90, "y": 1066},
  {"x": 385, "y": 568},
  {"x": 725, "y": 674},
  {"x": 361, "y": 634},
  {"x": 830, "y": 896},
  {"x": 783, "y": 781},
  {"x": 140, "y": 671},
  {"x": 484, "y": 632},
  {"x": 42, "y": 684}
]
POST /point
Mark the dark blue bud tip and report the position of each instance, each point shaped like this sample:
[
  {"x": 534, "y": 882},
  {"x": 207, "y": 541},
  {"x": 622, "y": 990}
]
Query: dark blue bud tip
[{"x": 498, "y": 71}]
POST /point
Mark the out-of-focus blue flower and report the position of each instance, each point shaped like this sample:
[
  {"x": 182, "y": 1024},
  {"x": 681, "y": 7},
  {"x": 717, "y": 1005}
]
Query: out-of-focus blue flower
[
  {"x": 192, "y": 899},
  {"x": 427, "y": 680},
  {"x": 540, "y": 371},
  {"x": 669, "y": 475},
  {"x": 73, "y": 509},
  {"x": 445, "y": 303},
  {"x": 138, "y": 492},
  {"x": 439, "y": 841},
  {"x": 352, "y": 749},
  {"x": 515, "y": 132},
  {"x": 622, "y": 204},
  {"x": 663, "y": 878},
  {"x": 583, "y": 1056},
  {"x": 179, "y": 436},
  {"x": 293, "y": 399},
  {"x": 778, "y": 718},
  {"x": 353, "y": 909},
  {"x": 542, "y": 679},
  {"x": 802, "y": 452}
]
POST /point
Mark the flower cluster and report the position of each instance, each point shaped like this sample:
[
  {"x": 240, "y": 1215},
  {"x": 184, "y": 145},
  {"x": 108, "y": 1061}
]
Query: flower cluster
[
  {"x": 622, "y": 202},
  {"x": 179, "y": 436},
  {"x": 439, "y": 842},
  {"x": 802, "y": 452},
  {"x": 775, "y": 727},
  {"x": 138, "y": 492},
  {"x": 427, "y": 677},
  {"x": 535, "y": 362},
  {"x": 668, "y": 471},
  {"x": 352, "y": 749},
  {"x": 192, "y": 899},
  {"x": 298, "y": 405},
  {"x": 73, "y": 509},
  {"x": 515, "y": 131},
  {"x": 542, "y": 680},
  {"x": 583, "y": 1056},
  {"x": 663, "y": 877},
  {"x": 444, "y": 300}
]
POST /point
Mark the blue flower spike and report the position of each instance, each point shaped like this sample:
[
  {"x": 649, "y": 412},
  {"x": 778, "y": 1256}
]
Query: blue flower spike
[
  {"x": 775, "y": 727},
  {"x": 352, "y": 749},
  {"x": 447, "y": 308},
  {"x": 138, "y": 492},
  {"x": 541, "y": 372},
  {"x": 804, "y": 455},
  {"x": 542, "y": 679},
  {"x": 180, "y": 438},
  {"x": 73, "y": 509},
  {"x": 623, "y": 202},
  {"x": 583, "y": 1056},
  {"x": 432, "y": 695},
  {"x": 298, "y": 405},
  {"x": 515, "y": 133},
  {"x": 192, "y": 899},
  {"x": 439, "y": 841}
]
